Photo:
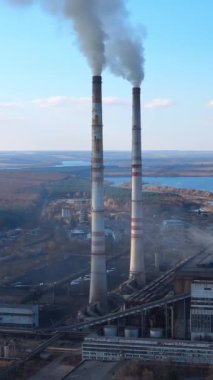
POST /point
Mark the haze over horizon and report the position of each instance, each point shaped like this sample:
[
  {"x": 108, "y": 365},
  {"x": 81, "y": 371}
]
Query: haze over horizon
[{"x": 45, "y": 102}]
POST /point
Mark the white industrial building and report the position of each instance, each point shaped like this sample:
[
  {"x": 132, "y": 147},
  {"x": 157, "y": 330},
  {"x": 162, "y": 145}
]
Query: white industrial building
[
  {"x": 126, "y": 343},
  {"x": 119, "y": 348},
  {"x": 202, "y": 310}
]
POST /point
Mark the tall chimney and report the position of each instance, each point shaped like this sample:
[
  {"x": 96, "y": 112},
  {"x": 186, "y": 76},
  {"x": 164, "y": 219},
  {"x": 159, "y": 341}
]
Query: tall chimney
[
  {"x": 137, "y": 269},
  {"x": 98, "y": 282}
]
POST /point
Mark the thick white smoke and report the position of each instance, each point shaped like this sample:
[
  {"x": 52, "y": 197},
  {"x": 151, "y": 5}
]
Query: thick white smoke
[{"x": 104, "y": 33}]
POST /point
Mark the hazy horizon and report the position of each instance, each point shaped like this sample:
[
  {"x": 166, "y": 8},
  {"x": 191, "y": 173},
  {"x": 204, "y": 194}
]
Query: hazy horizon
[{"x": 105, "y": 150}]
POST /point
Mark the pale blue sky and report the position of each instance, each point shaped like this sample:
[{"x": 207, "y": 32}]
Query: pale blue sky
[{"x": 45, "y": 82}]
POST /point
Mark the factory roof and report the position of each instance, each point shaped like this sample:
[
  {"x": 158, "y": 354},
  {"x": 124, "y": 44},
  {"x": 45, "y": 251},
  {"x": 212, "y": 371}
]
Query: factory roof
[{"x": 201, "y": 265}]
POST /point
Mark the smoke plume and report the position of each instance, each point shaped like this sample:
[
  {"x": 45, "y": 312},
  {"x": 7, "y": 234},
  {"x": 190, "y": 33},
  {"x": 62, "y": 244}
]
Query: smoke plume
[
  {"x": 125, "y": 59},
  {"x": 104, "y": 33},
  {"x": 85, "y": 19},
  {"x": 124, "y": 48},
  {"x": 83, "y": 15}
]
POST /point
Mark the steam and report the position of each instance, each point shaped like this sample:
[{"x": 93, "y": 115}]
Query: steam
[{"x": 104, "y": 33}]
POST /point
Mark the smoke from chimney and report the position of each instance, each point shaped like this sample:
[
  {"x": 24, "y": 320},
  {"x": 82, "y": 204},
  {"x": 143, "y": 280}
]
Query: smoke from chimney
[
  {"x": 104, "y": 33},
  {"x": 124, "y": 49},
  {"x": 86, "y": 23},
  {"x": 107, "y": 38},
  {"x": 88, "y": 26},
  {"x": 125, "y": 60}
]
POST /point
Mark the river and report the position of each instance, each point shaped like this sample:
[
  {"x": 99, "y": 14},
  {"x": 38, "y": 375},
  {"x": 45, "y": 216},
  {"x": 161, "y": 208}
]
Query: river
[{"x": 196, "y": 183}]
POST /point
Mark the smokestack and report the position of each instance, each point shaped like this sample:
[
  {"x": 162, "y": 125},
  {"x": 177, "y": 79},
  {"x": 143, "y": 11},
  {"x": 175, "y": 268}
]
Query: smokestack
[
  {"x": 137, "y": 269},
  {"x": 98, "y": 283}
]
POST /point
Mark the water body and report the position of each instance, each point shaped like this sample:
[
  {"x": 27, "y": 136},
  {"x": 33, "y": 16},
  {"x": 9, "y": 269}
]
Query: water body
[
  {"x": 196, "y": 183},
  {"x": 72, "y": 163}
]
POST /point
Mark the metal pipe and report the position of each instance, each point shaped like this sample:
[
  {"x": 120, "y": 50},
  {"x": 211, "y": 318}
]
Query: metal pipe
[
  {"x": 137, "y": 269},
  {"x": 98, "y": 283}
]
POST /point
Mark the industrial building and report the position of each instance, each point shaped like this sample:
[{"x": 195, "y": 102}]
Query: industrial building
[
  {"x": 201, "y": 321},
  {"x": 159, "y": 320},
  {"x": 66, "y": 213},
  {"x": 117, "y": 348},
  {"x": 19, "y": 315},
  {"x": 171, "y": 320}
]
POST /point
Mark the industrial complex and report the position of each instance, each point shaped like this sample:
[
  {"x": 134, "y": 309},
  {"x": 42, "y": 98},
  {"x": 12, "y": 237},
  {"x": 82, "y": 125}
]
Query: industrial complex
[
  {"x": 106, "y": 248},
  {"x": 168, "y": 319},
  {"x": 159, "y": 321}
]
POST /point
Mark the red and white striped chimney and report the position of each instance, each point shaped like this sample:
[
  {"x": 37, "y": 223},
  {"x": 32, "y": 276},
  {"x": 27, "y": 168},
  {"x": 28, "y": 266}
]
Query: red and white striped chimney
[
  {"x": 98, "y": 282},
  {"x": 137, "y": 269}
]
